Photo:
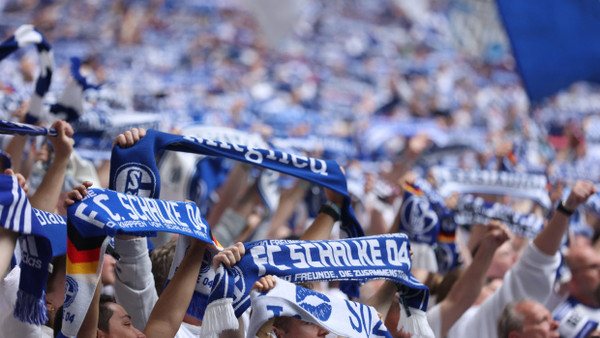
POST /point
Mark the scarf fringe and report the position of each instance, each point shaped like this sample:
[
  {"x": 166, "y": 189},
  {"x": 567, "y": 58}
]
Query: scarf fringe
[
  {"x": 415, "y": 323},
  {"x": 197, "y": 305},
  {"x": 219, "y": 316},
  {"x": 31, "y": 309}
]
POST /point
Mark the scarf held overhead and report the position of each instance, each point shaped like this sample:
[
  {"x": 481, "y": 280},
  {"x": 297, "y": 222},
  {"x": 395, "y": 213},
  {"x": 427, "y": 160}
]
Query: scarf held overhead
[
  {"x": 133, "y": 170},
  {"x": 492, "y": 182},
  {"x": 103, "y": 214},
  {"x": 354, "y": 259},
  {"x": 23, "y": 36}
]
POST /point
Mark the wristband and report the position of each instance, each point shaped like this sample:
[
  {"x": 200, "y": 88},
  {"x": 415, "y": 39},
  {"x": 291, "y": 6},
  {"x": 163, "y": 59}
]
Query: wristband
[
  {"x": 332, "y": 210},
  {"x": 561, "y": 208}
]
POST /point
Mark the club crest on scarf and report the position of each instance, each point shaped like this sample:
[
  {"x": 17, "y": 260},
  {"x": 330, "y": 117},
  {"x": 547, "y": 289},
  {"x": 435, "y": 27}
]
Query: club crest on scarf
[
  {"x": 317, "y": 304},
  {"x": 418, "y": 219},
  {"x": 135, "y": 179},
  {"x": 71, "y": 288}
]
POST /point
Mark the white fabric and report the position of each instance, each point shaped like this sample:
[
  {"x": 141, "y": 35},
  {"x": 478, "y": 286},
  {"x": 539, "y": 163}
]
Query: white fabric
[
  {"x": 11, "y": 327},
  {"x": 574, "y": 317},
  {"x": 434, "y": 318},
  {"x": 339, "y": 316},
  {"x": 424, "y": 257},
  {"x": 134, "y": 285},
  {"x": 188, "y": 331},
  {"x": 531, "y": 277},
  {"x": 134, "y": 282}
]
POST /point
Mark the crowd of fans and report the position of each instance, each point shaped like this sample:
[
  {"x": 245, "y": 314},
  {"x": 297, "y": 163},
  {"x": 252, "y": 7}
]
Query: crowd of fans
[{"x": 378, "y": 86}]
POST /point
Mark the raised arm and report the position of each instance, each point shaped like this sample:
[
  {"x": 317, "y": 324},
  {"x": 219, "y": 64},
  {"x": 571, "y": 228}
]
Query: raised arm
[
  {"x": 168, "y": 313},
  {"x": 329, "y": 213},
  {"x": 549, "y": 239},
  {"x": 468, "y": 287},
  {"x": 47, "y": 194}
]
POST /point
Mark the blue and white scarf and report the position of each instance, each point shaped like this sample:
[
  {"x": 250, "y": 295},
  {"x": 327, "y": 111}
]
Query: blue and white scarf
[
  {"x": 575, "y": 319},
  {"x": 17, "y": 215},
  {"x": 195, "y": 177},
  {"x": 355, "y": 259},
  {"x": 471, "y": 210},
  {"x": 16, "y": 128},
  {"x": 69, "y": 106},
  {"x": 339, "y": 316},
  {"x": 492, "y": 182},
  {"x": 23, "y": 36},
  {"x": 101, "y": 215},
  {"x": 96, "y": 129},
  {"x": 134, "y": 169}
]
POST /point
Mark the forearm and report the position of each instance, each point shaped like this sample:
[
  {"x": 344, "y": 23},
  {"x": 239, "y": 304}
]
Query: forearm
[
  {"x": 16, "y": 148},
  {"x": 320, "y": 228},
  {"x": 168, "y": 313},
  {"x": 383, "y": 298},
  {"x": 229, "y": 191},
  {"x": 549, "y": 239},
  {"x": 8, "y": 241},
  {"x": 89, "y": 326},
  {"x": 466, "y": 289},
  {"x": 47, "y": 194}
]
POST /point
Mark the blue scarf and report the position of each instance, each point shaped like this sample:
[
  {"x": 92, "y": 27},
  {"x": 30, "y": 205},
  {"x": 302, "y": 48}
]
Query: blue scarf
[
  {"x": 23, "y": 36},
  {"x": 16, "y": 128},
  {"x": 492, "y": 182},
  {"x": 417, "y": 218},
  {"x": 472, "y": 210},
  {"x": 195, "y": 177},
  {"x": 133, "y": 170},
  {"x": 42, "y": 234},
  {"x": 355, "y": 259},
  {"x": 69, "y": 106},
  {"x": 101, "y": 215}
]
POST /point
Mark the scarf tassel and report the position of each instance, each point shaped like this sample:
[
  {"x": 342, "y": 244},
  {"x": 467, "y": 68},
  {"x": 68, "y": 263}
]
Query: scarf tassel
[
  {"x": 197, "y": 305},
  {"x": 414, "y": 321},
  {"x": 31, "y": 309},
  {"x": 219, "y": 316}
]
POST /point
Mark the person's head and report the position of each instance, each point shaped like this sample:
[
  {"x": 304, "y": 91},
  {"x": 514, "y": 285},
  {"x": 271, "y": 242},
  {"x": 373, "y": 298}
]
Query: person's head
[
  {"x": 504, "y": 258},
  {"x": 584, "y": 263},
  {"x": 526, "y": 318},
  {"x": 55, "y": 287},
  {"x": 114, "y": 321},
  {"x": 290, "y": 327}
]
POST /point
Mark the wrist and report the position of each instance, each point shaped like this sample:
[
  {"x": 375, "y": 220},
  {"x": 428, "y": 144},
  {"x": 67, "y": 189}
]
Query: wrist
[
  {"x": 564, "y": 209},
  {"x": 332, "y": 210}
]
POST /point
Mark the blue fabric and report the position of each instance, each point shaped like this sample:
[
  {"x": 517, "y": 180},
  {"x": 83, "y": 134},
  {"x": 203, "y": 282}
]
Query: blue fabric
[
  {"x": 133, "y": 170},
  {"x": 17, "y": 215},
  {"x": 105, "y": 212},
  {"x": 417, "y": 218},
  {"x": 472, "y": 210},
  {"x": 351, "y": 259},
  {"x": 16, "y": 128},
  {"x": 555, "y": 42},
  {"x": 23, "y": 36}
]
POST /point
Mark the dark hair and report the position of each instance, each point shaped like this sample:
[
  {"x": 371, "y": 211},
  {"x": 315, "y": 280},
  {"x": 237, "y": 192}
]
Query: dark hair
[
  {"x": 105, "y": 312},
  {"x": 282, "y": 323}
]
